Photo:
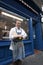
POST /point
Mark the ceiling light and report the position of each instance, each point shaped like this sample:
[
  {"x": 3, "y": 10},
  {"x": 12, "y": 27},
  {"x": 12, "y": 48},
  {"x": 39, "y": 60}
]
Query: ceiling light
[
  {"x": 12, "y": 16},
  {"x": 42, "y": 7},
  {"x": 41, "y": 19}
]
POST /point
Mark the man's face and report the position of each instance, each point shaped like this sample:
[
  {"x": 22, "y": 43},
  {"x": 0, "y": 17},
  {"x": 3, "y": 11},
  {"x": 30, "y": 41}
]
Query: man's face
[{"x": 18, "y": 23}]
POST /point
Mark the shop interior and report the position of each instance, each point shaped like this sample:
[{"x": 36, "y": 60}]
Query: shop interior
[{"x": 7, "y": 21}]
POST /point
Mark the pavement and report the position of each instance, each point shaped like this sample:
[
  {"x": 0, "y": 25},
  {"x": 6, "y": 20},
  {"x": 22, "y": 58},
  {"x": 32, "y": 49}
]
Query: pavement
[{"x": 35, "y": 59}]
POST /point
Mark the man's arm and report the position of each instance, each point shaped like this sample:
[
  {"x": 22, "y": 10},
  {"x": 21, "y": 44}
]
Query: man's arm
[
  {"x": 24, "y": 34},
  {"x": 13, "y": 35}
]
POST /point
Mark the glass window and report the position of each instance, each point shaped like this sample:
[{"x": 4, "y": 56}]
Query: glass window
[
  {"x": 42, "y": 29},
  {"x": 7, "y": 21},
  {"x": 34, "y": 31}
]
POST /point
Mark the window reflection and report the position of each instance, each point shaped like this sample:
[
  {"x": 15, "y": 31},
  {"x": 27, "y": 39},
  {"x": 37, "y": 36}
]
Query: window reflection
[{"x": 6, "y": 23}]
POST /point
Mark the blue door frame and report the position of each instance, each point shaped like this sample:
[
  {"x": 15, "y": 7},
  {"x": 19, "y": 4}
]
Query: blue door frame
[{"x": 38, "y": 42}]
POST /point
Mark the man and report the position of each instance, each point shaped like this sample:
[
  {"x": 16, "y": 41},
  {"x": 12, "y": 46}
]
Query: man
[{"x": 17, "y": 46}]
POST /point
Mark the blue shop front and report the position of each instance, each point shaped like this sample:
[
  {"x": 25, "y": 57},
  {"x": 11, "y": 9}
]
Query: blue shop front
[{"x": 29, "y": 14}]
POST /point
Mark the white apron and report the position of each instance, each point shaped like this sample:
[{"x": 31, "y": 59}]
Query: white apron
[{"x": 18, "y": 50}]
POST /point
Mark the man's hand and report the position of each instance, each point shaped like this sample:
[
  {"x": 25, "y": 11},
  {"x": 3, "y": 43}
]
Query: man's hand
[{"x": 20, "y": 36}]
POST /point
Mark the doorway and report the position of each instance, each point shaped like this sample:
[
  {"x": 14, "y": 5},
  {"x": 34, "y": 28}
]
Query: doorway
[{"x": 37, "y": 37}]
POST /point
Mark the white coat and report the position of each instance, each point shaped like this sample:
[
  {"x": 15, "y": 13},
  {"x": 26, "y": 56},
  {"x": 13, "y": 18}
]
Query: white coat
[{"x": 18, "y": 51}]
